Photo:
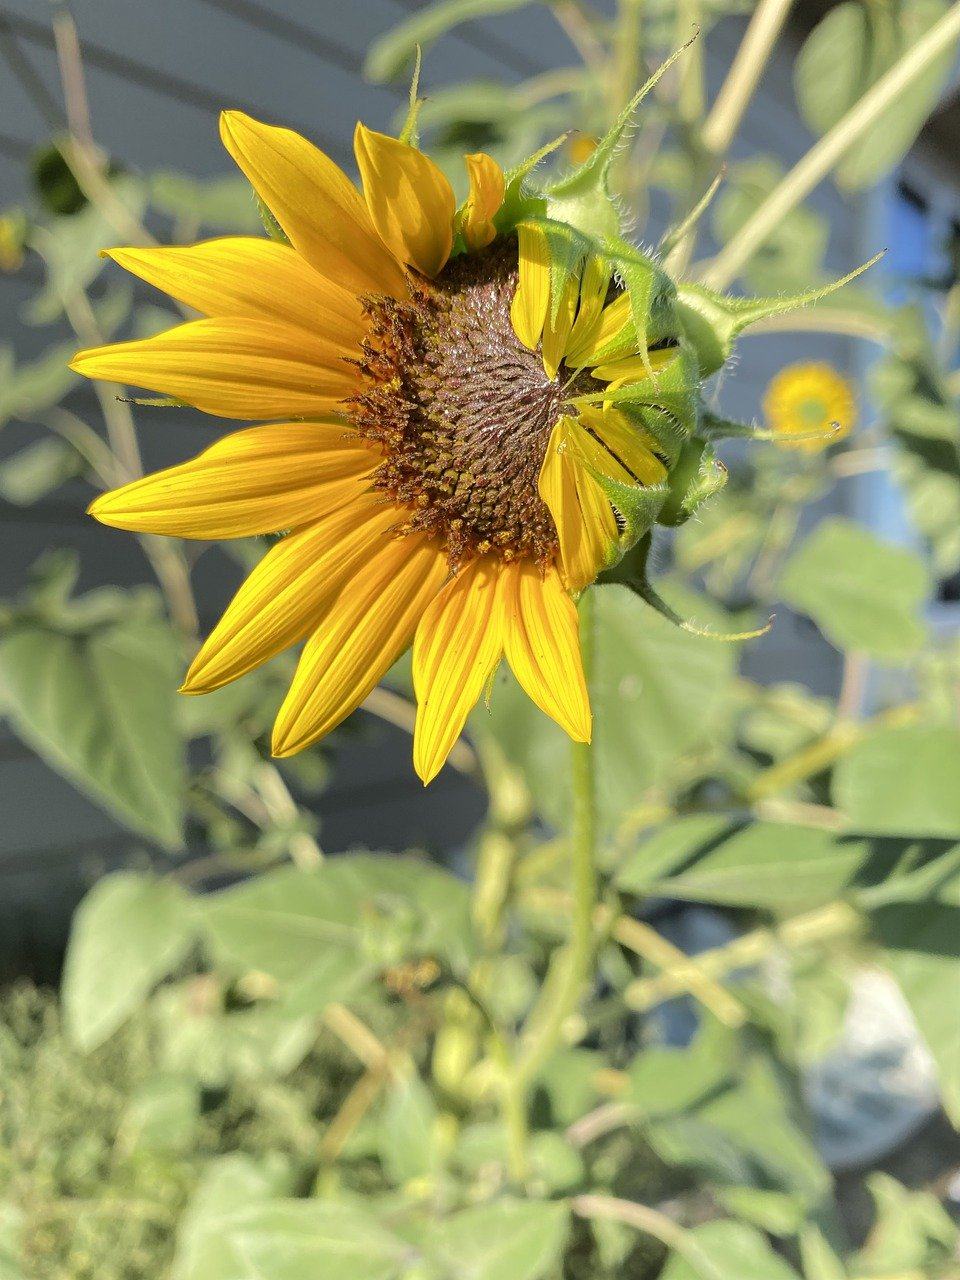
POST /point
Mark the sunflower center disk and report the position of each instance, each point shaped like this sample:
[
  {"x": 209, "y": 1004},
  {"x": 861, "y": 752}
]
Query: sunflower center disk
[{"x": 462, "y": 410}]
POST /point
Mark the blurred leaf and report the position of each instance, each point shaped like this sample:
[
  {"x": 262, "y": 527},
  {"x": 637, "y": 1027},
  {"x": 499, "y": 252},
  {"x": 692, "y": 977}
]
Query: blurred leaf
[
  {"x": 668, "y": 1081},
  {"x": 863, "y": 594},
  {"x": 37, "y": 470},
  {"x": 127, "y": 934},
  {"x": 99, "y": 705},
  {"x": 12, "y": 1262},
  {"x": 912, "y": 1232},
  {"x": 724, "y": 1250},
  {"x": 388, "y": 57},
  {"x": 291, "y": 1240},
  {"x": 407, "y": 1137},
  {"x": 26, "y": 390},
  {"x": 922, "y": 950},
  {"x": 223, "y": 204},
  {"x": 658, "y": 694},
  {"x": 771, "y": 866},
  {"x": 820, "y": 1262},
  {"x": 504, "y": 1240},
  {"x": 162, "y": 1115},
  {"x": 321, "y": 932},
  {"x": 71, "y": 251},
  {"x": 902, "y": 781},
  {"x": 848, "y": 50}
]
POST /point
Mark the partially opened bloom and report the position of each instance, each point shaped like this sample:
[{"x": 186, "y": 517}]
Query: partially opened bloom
[
  {"x": 468, "y": 414},
  {"x": 809, "y": 406}
]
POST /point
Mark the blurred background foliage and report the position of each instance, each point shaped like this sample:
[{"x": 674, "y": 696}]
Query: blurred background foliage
[{"x": 265, "y": 1062}]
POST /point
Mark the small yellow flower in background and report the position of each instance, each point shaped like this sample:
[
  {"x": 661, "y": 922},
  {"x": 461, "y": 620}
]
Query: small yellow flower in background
[
  {"x": 804, "y": 399},
  {"x": 419, "y": 445}
]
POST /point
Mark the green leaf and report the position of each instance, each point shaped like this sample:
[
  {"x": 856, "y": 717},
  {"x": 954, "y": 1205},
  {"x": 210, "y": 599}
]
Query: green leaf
[
  {"x": 820, "y": 1262},
  {"x": 724, "y": 1250},
  {"x": 99, "y": 705},
  {"x": 912, "y": 1232},
  {"x": 228, "y": 1187},
  {"x": 128, "y": 933},
  {"x": 407, "y": 1139},
  {"x": 294, "y": 1240},
  {"x": 504, "y": 1240},
  {"x": 902, "y": 782},
  {"x": 769, "y": 866},
  {"x": 863, "y": 594},
  {"x": 322, "y": 932},
  {"x": 921, "y": 944},
  {"x": 847, "y": 52},
  {"x": 29, "y": 389},
  {"x": 388, "y": 57},
  {"x": 224, "y": 204},
  {"x": 671, "y": 1081},
  {"x": 162, "y": 1115},
  {"x": 31, "y": 474},
  {"x": 697, "y": 475}
]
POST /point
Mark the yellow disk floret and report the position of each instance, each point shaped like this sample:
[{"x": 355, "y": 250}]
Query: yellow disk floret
[{"x": 812, "y": 402}]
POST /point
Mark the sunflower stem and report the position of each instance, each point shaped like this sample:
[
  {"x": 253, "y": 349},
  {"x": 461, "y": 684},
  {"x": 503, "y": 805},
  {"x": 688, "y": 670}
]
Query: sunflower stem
[{"x": 570, "y": 969}]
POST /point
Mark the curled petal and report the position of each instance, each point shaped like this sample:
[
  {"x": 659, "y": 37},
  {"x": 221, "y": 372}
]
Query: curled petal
[
  {"x": 410, "y": 201},
  {"x": 483, "y": 201},
  {"x": 531, "y": 301},
  {"x": 585, "y": 523}
]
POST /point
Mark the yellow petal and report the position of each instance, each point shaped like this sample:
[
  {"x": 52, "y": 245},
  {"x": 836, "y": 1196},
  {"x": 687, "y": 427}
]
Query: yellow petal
[
  {"x": 586, "y": 527},
  {"x": 234, "y": 368},
  {"x": 365, "y": 628},
  {"x": 634, "y": 368},
  {"x": 542, "y": 644},
  {"x": 485, "y": 197},
  {"x": 254, "y": 481},
  {"x": 627, "y": 441},
  {"x": 594, "y": 283},
  {"x": 315, "y": 202},
  {"x": 532, "y": 298},
  {"x": 556, "y": 332},
  {"x": 246, "y": 276},
  {"x": 410, "y": 201},
  {"x": 614, "y": 319},
  {"x": 289, "y": 592},
  {"x": 459, "y": 643}
]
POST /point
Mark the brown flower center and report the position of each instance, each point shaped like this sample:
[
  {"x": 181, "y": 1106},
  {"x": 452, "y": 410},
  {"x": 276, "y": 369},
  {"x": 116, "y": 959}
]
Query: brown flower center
[{"x": 462, "y": 409}]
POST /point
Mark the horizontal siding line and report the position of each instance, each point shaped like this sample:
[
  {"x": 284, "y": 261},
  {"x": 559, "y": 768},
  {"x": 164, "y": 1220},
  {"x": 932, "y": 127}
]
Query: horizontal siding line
[{"x": 161, "y": 82}]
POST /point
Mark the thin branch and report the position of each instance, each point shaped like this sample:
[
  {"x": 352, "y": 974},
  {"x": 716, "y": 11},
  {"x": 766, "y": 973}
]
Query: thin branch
[
  {"x": 744, "y": 75},
  {"x": 831, "y": 148},
  {"x": 651, "y": 1222}
]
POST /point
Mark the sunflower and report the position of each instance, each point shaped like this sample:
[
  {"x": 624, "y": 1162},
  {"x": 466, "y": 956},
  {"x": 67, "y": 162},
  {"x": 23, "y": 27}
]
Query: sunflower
[
  {"x": 811, "y": 400},
  {"x": 438, "y": 421}
]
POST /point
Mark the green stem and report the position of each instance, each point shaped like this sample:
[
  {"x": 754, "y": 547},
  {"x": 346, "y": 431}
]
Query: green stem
[{"x": 569, "y": 969}]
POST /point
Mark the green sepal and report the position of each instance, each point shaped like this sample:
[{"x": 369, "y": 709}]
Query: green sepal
[
  {"x": 712, "y": 321},
  {"x": 518, "y": 202},
  {"x": 631, "y": 572},
  {"x": 270, "y": 224},
  {"x": 582, "y": 198},
  {"x": 637, "y": 506},
  {"x": 696, "y": 476},
  {"x": 672, "y": 394},
  {"x": 410, "y": 133},
  {"x": 650, "y": 289},
  {"x": 714, "y": 427}
]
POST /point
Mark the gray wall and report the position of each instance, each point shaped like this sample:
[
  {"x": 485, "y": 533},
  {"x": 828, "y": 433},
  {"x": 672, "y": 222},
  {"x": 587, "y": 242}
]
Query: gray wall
[{"x": 158, "y": 74}]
